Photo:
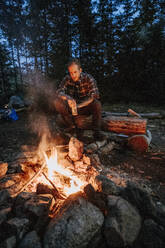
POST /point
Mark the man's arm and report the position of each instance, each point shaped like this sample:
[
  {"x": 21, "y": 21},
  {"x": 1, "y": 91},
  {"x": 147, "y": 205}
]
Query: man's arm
[
  {"x": 92, "y": 91},
  {"x": 85, "y": 102},
  {"x": 61, "y": 92},
  {"x": 62, "y": 89}
]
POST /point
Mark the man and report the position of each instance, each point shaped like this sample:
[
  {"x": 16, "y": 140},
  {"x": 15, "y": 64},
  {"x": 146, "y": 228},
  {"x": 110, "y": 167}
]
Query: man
[{"x": 78, "y": 92}]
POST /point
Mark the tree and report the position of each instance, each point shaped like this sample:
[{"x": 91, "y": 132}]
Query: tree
[{"x": 5, "y": 70}]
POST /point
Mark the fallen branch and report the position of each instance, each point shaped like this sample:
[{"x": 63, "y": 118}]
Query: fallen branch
[{"x": 143, "y": 115}]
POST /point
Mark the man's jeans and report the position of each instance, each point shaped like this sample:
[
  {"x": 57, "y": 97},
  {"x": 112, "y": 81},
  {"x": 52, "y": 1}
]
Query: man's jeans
[{"x": 94, "y": 109}]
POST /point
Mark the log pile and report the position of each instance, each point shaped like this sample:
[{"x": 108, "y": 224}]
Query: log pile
[{"x": 134, "y": 127}]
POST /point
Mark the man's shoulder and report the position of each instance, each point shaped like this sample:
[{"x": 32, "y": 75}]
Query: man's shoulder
[
  {"x": 87, "y": 76},
  {"x": 67, "y": 80}
]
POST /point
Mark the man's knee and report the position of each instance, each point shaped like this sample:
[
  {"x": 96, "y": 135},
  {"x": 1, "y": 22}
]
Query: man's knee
[
  {"x": 96, "y": 105},
  {"x": 60, "y": 105}
]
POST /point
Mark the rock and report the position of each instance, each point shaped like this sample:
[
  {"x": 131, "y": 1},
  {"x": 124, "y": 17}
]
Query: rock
[
  {"x": 98, "y": 241},
  {"x": 66, "y": 163},
  {"x": 86, "y": 160},
  {"x": 122, "y": 224},
  {"x": 3, "y": 169},
  {"x": 91, "y": 148},
  {"x": 107, "y": 148},
  {"x": 97, "y": 198},
  {"x": 31, "y": 204},
  {"x": 139, "y": 198},
  {"x": 76, "y": 148},
  {"x": 107, "y": 186},
  {"x": 4, "y": 213},
  {"x": 95, "y": 161},
  {"x": 6, "y": 182},
  {"x": 80, "y": 166},
  {"x": 159, "y": 214},
  {"x": 14, "y": 168},
  {"x": 20, "y": 201},
  {"x": 36, "y": 208},
  {"x": 31, "y": 240},
  {"x": 153, "y": 235},
  {"x": 39, "y": 205},
  {"x": 75, "y": 225},
  {"x": 15, "y": 227},
  {"x": 100, "y": 143},
  {"x": 9, "y": 243},
  {"x": 5, "y": 198}
]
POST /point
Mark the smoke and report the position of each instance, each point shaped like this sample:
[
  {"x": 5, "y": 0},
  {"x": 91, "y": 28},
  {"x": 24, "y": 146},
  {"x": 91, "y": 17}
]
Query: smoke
[{"x": 41, "y": 95}]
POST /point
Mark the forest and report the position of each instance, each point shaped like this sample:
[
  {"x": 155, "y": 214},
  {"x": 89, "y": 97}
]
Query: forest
[{"x": 120, "y": 42}]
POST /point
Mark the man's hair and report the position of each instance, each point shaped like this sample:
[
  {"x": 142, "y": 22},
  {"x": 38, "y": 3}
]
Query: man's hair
[{"x": 74, "y": 61}]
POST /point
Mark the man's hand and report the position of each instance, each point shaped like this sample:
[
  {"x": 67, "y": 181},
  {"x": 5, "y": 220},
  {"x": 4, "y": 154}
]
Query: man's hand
[{"x": 71, "y": 102}]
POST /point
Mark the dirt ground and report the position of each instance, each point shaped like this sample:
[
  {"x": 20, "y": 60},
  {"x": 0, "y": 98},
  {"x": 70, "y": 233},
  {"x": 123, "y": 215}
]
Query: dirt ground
[{"x": 149, "y": 166}]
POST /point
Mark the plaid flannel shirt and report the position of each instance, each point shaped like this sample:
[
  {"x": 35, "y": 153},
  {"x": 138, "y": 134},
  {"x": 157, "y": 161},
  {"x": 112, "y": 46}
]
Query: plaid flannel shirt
[{"x": 80, "y": 90}]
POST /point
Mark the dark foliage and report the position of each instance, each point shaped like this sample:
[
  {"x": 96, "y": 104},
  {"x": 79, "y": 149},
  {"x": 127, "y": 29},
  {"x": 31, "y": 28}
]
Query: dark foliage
[{"x": 121, "y": 43}]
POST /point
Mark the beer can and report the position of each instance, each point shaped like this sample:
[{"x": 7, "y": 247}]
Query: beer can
[{"x": 74, "y": 110}]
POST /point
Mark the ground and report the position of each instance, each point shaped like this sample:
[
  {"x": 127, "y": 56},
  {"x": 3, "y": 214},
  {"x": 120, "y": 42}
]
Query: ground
[{"x": 149, "y": 166}]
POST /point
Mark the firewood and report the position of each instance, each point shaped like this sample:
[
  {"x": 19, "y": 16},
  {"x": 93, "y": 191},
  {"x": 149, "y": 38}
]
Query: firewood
[
  {"x": 118, "y": 124},
  {"x": 124, "y": 125},
  {"x": 140, "y": 143}
]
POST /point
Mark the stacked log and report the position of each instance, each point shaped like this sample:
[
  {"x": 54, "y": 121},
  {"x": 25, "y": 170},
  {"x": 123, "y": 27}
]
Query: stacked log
[
  {"x": 117, "y": 124},
  {"x": 134, "y": 127},
  {"x": 124, "y": 125}
]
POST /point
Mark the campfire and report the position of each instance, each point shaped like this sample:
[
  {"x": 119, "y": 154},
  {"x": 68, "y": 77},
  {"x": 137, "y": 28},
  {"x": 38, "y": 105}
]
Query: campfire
[
  {"x": 64, "y": 179},
  {"x": 63, "y": 196},
  {"x": 59, "y": 172}
]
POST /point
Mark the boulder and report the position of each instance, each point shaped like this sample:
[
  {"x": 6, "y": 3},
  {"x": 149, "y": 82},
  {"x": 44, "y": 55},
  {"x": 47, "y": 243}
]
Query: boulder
[
  {"x": 31, "y": 240},
  {"x": 122, "y": 224},
  {"x": 75, "y": 225},
  {"x": 107, "y": 186},
  {"x": 153, "y": 235},
  {"x": 9, "y": 243}
]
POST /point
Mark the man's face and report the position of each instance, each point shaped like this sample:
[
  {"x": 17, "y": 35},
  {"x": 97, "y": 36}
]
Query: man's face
[{"x": 74, "y": 72}]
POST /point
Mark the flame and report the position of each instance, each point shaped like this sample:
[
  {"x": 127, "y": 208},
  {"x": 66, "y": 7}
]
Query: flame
[{"x": 76, "y": 184}]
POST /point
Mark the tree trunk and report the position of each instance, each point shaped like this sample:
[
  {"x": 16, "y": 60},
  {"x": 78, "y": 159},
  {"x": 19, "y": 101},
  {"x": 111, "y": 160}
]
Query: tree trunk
[{"x": 19, "y": 64}]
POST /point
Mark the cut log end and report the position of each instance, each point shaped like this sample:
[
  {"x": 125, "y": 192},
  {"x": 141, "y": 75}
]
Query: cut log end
[{"x": 139, "y": 143}]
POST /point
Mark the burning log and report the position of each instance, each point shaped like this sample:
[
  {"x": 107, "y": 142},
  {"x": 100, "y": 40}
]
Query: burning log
[
  {"x": 46, "y": 189},
  {"x": 55, "y": 190},
  {"x": 29, "y": 181}
]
